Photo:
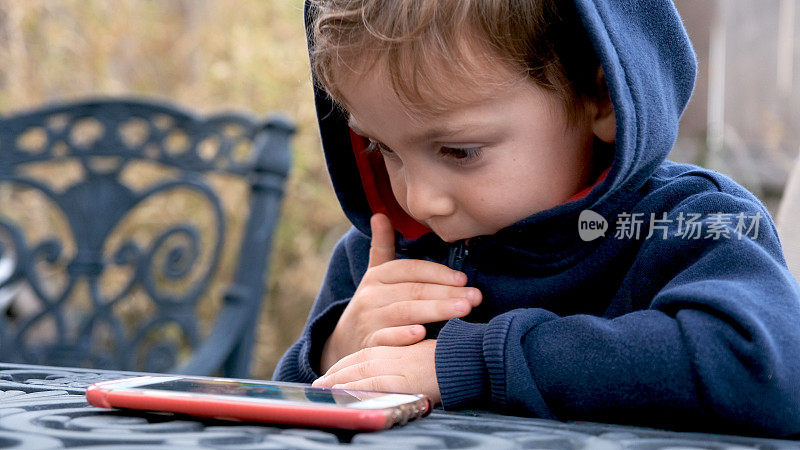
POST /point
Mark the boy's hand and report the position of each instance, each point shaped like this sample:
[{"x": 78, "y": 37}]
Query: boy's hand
[
  {"x": 394, "y": 298},
  {"x": 408, "y": 369}
]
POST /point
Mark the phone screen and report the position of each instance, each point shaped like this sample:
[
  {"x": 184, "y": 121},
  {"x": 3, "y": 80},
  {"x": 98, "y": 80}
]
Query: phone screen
[{"x": 295, "y": 394}]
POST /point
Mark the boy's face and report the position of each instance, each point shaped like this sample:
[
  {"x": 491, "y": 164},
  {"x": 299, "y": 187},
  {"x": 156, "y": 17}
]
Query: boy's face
[{"x": 482, "y": 165}]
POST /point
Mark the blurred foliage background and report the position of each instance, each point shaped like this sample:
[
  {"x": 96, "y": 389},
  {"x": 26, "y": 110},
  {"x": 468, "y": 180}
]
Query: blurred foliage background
[{"x": 209, "y": 56}]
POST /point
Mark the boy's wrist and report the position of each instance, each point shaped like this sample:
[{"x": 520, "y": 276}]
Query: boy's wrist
[
  {"x": 319, "y": 332},
  {"x": 328, "y": 356}
]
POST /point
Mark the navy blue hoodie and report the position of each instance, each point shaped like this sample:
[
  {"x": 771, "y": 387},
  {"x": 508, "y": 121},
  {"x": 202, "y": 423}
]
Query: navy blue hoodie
[{"x": 676, "y": 330}]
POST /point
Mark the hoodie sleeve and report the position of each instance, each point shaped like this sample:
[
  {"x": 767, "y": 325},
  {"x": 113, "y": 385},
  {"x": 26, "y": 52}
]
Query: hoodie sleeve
[
  {"x": 300, "y": 363},
  {"x": 713, "y": 343}
]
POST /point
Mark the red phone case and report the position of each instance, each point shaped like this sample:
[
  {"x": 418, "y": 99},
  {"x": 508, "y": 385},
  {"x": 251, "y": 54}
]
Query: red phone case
[{"x": 99, "y": 394}]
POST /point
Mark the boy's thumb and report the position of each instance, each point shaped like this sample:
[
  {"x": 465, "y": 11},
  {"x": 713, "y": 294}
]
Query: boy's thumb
[{"x": 382, "y": 247}]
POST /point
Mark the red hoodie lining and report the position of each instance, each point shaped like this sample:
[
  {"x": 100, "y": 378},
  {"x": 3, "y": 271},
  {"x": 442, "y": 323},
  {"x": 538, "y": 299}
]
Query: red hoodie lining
[
  {"x": 589, "y": 188},
  {"x": 378, "y": 190}
]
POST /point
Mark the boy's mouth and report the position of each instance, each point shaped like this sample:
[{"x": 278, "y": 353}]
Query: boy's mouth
[
  {"x": 449, "y": 238},
  {"x": 447, "y": 234}
]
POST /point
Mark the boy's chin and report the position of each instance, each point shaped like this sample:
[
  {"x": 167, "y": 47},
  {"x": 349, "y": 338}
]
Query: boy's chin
[{"x": 451, "y": 238}]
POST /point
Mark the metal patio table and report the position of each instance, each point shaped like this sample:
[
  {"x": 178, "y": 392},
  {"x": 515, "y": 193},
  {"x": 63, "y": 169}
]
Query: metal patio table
[{"x": 44, "y": 407}]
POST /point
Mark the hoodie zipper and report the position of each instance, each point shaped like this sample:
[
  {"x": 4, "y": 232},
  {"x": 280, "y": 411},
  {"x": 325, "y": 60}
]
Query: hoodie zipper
[
  {"x": 458, "y": 253},
  {"x": 455, "y": 260}
]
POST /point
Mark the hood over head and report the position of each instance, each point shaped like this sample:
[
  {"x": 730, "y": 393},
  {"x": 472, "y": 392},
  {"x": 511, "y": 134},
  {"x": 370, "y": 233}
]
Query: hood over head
[{"x": 650, "y": 70}]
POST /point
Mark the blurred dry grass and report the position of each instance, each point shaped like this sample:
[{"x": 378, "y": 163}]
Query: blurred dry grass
[{"x": 208, "y": 55}]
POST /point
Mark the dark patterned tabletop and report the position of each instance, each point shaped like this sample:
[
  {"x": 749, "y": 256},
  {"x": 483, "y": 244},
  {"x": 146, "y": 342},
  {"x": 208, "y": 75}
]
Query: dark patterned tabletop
[{"x": 44, "y": 407}]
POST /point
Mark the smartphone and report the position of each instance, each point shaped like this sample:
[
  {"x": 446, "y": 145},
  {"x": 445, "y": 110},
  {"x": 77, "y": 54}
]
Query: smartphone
[{"x": 261, "y": 401}]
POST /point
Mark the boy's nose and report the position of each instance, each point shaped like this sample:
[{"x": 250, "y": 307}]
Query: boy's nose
[{"x": 426, "y": 200}]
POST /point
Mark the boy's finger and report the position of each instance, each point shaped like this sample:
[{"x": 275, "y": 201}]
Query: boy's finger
[
  {"x": 359, "y": 371},
  {"x": 381, "y": 249},
  {"x": 384, "y": 383},
  {"x": 365, "y": 354},
  {"x": 419, "y": 271},
  {"x": 427, "y": 291},
  {"x": 422, "y": 311},
  {"x": 381, "y": 383},
  {"x": 396, "y": 336}
]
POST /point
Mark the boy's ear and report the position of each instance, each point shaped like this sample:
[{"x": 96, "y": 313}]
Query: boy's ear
[{"x": 604, "y": 122}]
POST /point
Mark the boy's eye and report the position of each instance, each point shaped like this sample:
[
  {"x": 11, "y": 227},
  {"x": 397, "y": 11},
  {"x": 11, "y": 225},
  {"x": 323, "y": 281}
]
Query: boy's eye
[
  {"x": 378, "y": 146},
  {"x": 458, "y": 155},
  {"x": 461, "y": 155}
]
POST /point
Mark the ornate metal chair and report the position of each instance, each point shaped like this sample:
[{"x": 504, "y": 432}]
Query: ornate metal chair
[{"x": 118, "y": 225}]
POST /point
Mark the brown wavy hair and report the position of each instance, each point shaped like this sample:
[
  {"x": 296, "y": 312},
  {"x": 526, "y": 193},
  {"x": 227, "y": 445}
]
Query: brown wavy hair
[{"x": 427, "y": 45}]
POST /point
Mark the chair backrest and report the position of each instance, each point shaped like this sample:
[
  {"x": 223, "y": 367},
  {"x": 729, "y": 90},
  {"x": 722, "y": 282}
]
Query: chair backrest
[{"x": 123, "y": 270}]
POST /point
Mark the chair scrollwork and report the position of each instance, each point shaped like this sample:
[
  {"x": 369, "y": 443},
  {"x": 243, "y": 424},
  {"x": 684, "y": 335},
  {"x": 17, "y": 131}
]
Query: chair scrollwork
[{"x": 86, "y": 284}]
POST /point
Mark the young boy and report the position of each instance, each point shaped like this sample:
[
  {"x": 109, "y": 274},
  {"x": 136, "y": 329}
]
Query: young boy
[{"x": 484, "y": 150}]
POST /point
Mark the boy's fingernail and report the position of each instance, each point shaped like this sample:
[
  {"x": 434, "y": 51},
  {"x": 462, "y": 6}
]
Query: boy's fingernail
[
  {"x": 337, "y": 386},
  {"x": 461, "y": 307},
  {"x": 460, "y": 277},
  {"x": 474, "y": 294}
]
